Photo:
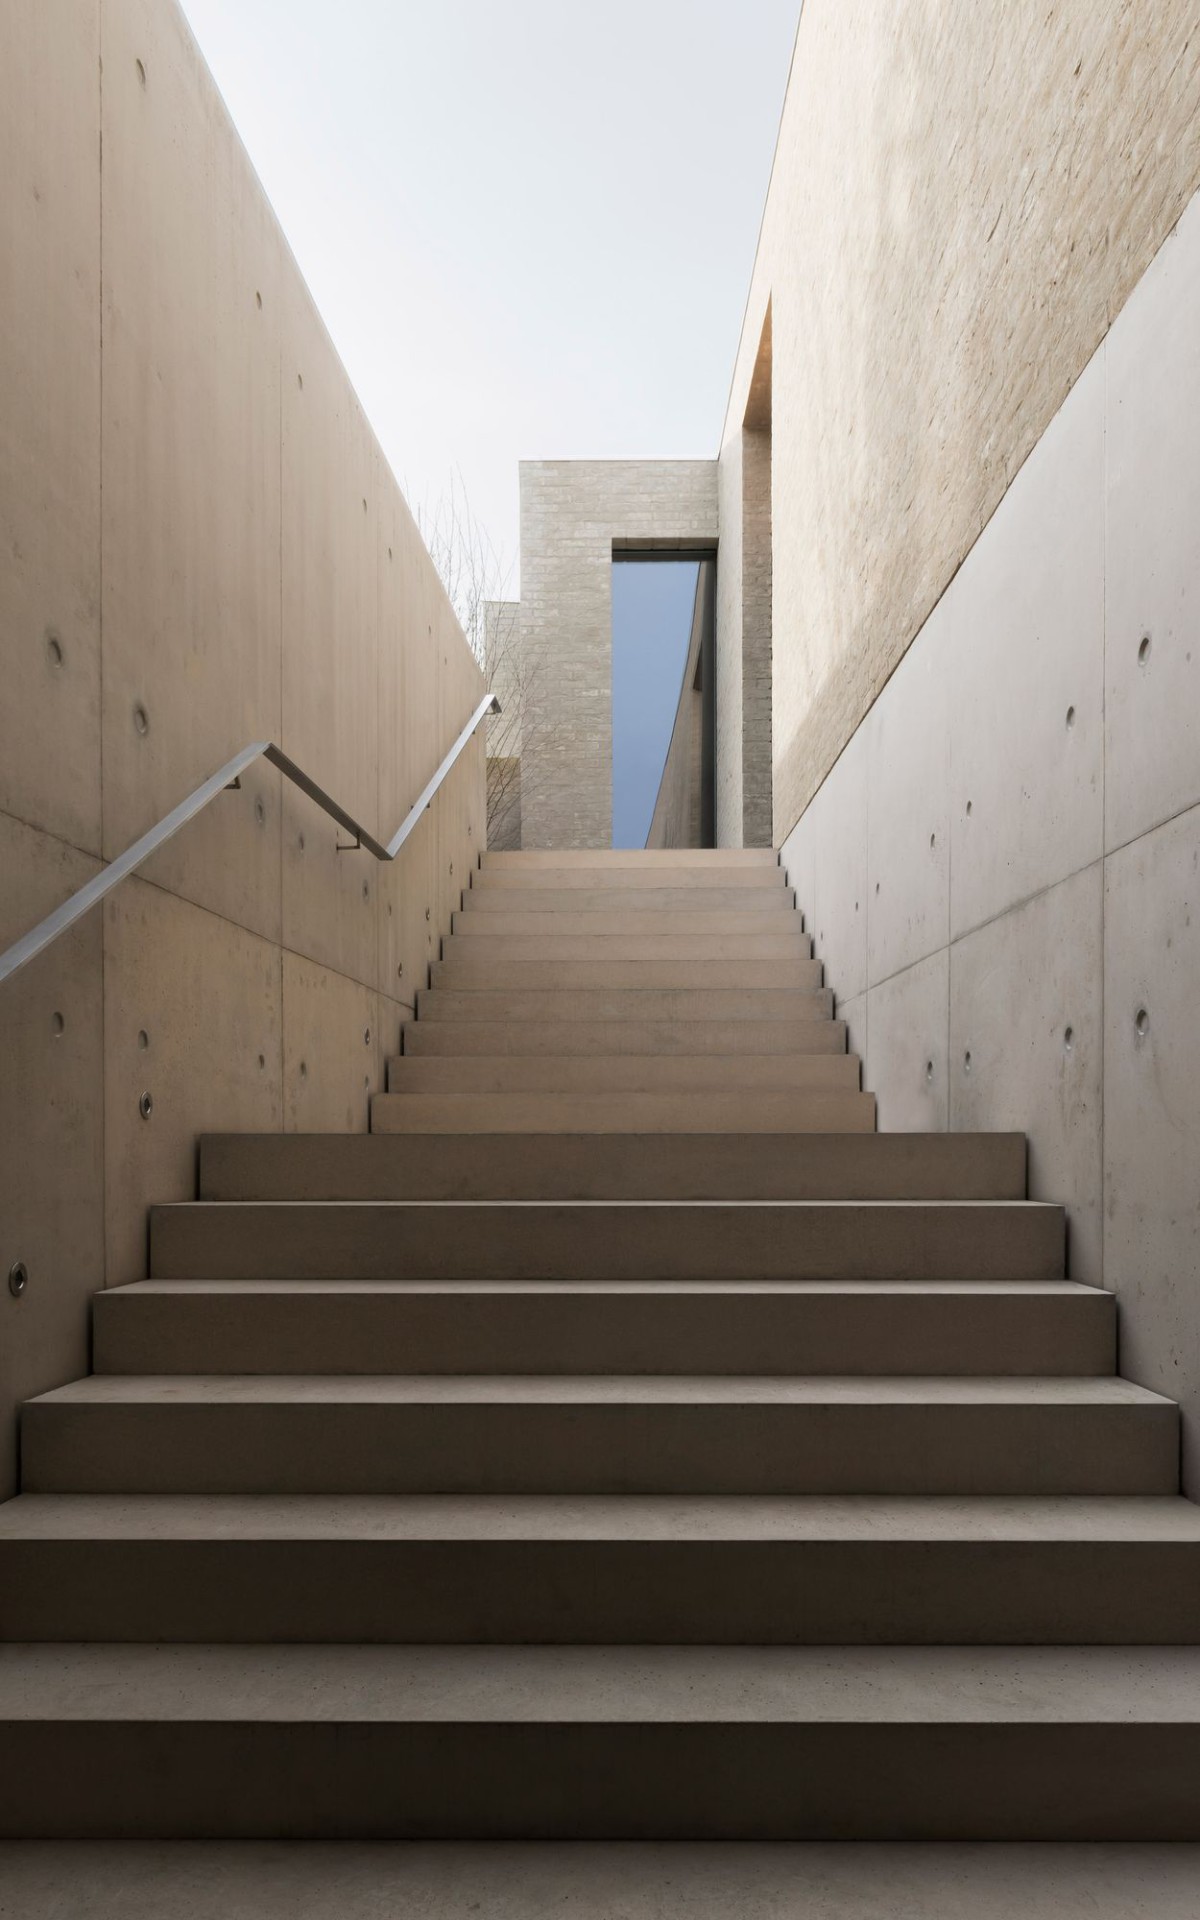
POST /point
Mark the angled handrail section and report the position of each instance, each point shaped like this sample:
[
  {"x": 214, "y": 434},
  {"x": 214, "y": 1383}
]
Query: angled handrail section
[{"x": 102, "y": 883}]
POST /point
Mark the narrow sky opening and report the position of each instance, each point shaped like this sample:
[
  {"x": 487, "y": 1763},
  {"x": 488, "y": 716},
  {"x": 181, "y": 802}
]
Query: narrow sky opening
[{"x": 652, "y": 606}]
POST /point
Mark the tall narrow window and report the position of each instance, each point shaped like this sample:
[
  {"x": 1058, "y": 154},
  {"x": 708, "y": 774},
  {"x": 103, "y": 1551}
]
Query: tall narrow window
[{"x": 653, "y": 614}]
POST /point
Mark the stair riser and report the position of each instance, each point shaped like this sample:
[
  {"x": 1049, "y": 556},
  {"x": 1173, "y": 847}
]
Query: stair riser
[
  {"x": 644, "y": 1115},
  {"x": 416, "y": 1073},
  {"x": 630, "y": 859},
  {"x": 502, "y": 1447},
  {"x": 353, "y": 1778},
  {"x": 685, "y": 1004},
  {"x": 614, "y": 1166},
  {"x": 748, "y": 901},
  {"x": 748, "y": 1333},
  {"x": 631, "y": 923},
  {"x": 563, "y": 879},
  {"x": 610, "y": 1242},
  {"x": 597, "y": 1593},
  {"x": 506, "y": 947},
  {"x": 585, "y": 1038},
  {"x": 551, "y": 972}
]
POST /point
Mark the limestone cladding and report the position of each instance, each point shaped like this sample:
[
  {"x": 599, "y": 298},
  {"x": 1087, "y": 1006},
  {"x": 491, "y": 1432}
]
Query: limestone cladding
[
  {"x": 574, "y": 514},
  {"x": 963, "y": 199}
]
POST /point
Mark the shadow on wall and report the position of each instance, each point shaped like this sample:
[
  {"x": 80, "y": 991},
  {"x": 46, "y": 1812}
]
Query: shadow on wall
[
  {"x": 209, "y": 550},
  {"x": 1002, "y": 871}
]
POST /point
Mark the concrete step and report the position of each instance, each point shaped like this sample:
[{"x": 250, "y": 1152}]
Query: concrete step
[
  {"x": 635, "y": 859},
  {"x": 608, "y": 1240},
  {"x": 709, "y": 1743},
  {"x": 631, "y": 1073},
  {"x": 562, "y": 1038},
  {"x": 615, "y": 1166},
  {"x": 624, "y": 1113},
  {"x": 707, "y": 1880},
  {"x": 485, "y": 969},
  {"x": 746, "y": 902},
  {"x": 684, "y": 1004},
  {"x": 790, "y": 944},
  {"x": 545, "y": 1570},
  {"x": 508, "y": 1434},
  {"x": 567, "y": 879},
  {"x": 797, "y": 1326},
  {"x": 631, "y": 923}
]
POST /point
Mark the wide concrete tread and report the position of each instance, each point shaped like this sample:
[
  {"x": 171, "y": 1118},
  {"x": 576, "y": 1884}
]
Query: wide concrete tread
[
  {"x": 598, "y": 1433},
  {"x": 865, "y": 1520},
  {"x": 549, "y": 973},
  {"x": 727, "y": 1005},
  {"x": 637, "y": 922},
  {"x": 530, "y": 1164},
  {"x": 609, "y": 1240},
  {"x": 358, "y": 1742},
  {"x": 636, "y": 1687},
  {"x": 713, "y": 897},
  {"x": 699, "y": 1392},
  {"x": 600, "y": 1571},
  {"x": 553, "y": 948},
  {"x": 580, "y": 1038},
  {"x": 567, "y": 878},
  {"x": 215, "y": 1880},
  {"x": 635, "y": 859},
  {"x": 347, "y": 1327},
  {"x": 612, "y": 1073},
  {"x": 760, "y": 1112}
]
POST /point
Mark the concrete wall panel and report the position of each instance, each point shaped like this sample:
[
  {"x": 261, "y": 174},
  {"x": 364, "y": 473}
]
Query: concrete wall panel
[
  {"x": 1026, "y": 687},
  {"x": 1026, "y": 1047},
  {"x": 907, "y": 1052},
  {"x": 192, "y": 1016},
  {"x": 334, "y": 1047},
  {"x": 839, "y": 925},
  {"x": 1152, "y": 580},
  {"x": 1112, "y": 1114},
  {"x": 192, "y": 274},
  {"x": 50, "y": 418},
  {"x": 330, "y": 611},
  {"x": 244, "y": 546},
  {"x": 1152, "y": 1113},
  {"x": 52, "y": 1128},
  {"x": 908, "y": 804},
  {"x": 331, "y": 506},
  {"x": 798, "y": 857},
  {"x": 856, "y": 1014}
]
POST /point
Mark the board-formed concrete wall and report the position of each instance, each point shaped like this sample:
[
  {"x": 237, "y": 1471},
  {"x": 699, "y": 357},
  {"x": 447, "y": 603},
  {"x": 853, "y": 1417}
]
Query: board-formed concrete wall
[
  {"x": 573, "y": 513},
  {"x": 201, "y": 545},
  {"x": 962, "y": 200},
  {"x": 1002, "y": 870}
]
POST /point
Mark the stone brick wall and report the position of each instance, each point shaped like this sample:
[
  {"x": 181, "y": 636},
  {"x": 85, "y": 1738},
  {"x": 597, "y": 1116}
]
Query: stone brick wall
[
  {"x": 962, "y": 200},
  {"x": 756, "y": 637},
  {"x": 573, "y": 514}
]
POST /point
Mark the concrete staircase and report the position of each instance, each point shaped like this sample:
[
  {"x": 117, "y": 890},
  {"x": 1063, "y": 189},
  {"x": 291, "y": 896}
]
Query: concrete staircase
[{"x": 623, "y": 1440}]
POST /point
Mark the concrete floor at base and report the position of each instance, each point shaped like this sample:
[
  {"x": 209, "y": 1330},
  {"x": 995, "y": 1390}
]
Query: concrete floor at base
[{"x": 213, "y": 1881}]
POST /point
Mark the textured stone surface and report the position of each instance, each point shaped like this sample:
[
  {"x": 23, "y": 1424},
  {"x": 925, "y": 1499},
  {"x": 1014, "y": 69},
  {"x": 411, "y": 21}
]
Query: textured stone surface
[
  {"x": 573, "y": 514},
  {"x": 960, "y": 206}
]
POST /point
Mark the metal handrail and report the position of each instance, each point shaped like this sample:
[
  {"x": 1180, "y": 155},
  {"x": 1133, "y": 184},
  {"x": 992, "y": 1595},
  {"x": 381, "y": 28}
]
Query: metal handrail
[{"x": 48, "y": 930}]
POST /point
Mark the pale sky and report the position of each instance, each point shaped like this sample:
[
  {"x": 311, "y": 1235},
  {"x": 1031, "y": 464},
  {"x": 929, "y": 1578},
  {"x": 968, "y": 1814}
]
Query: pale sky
[{"x": 529, "y": 225}]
